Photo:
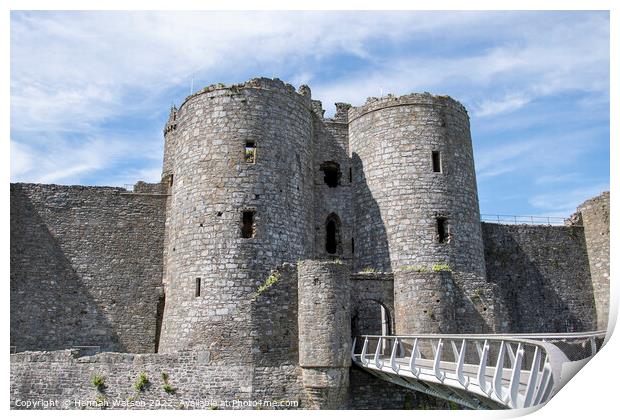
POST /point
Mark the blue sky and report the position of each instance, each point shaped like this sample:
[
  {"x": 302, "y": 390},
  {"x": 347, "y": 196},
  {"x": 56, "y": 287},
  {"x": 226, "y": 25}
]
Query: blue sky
[{"x": 90, "y": 91}]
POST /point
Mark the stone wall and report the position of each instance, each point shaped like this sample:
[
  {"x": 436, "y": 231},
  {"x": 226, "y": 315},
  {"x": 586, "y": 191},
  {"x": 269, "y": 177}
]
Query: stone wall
[
  {"x": 426, "y": 302},
  {"x": 196, "y": 380},
  {"x": 395, "y": 186},
  {"x": 543, "y": 276},
  {"x": 594, "y": 216},
  {"x": 367, "y": 392},
  {"x": 372, "y": 303},
  {"x": 87, "y": 262},
  {"x": 213, "y": 185},
  {"x": 324, "y": 332},
  {"x": 85, "y": 267},
  {"x": 331, "y": 148},
  {"x": 275, "y": 343},
  {"x": 400, "y": 196}
]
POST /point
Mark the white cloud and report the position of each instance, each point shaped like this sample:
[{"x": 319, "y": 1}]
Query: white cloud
[
  {"x": 549, "y": 156},
  {"x": 61, "y": 64},
  {"x": 554, "y": 179},
  {"x": 507, "y": 104},
  {"x": 91, "y": 62},
  {"x": 45, "y": 166},
  {"x": 21, "y": 159},
  {"x": 130, "y": 176},
  {"x": 565, "y": 202},
  {"x": 73, "y": 72},
  {"x": 541, "y": 59},
  {"x": 501, "y": 159},
  {"x": 64, "y": 162}
]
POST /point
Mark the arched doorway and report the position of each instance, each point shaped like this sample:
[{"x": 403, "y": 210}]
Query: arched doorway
[
  {"x": 333, "y": 239},
  {"x": 371, "y": 317}
]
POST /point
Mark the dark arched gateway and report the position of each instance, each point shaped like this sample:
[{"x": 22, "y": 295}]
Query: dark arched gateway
[{"x": 333, "y": 240}]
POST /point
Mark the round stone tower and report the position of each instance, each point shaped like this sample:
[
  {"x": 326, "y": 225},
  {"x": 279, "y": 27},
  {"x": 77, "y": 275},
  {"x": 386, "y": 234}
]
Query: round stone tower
[
  {"x": 324, "y": 331},
  {"x": 238, "y": 161},
  {"x": 416, "y": 205}
]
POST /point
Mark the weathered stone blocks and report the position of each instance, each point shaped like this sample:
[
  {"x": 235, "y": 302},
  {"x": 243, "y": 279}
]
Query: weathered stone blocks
[
  {"x": 324, "y": 331},
  {"x": 595, "y": 218},
  {"x": 213, "y": 186},
  {"x": 424, "y": 302}
]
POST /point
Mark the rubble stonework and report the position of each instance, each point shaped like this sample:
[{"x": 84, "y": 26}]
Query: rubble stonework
[
  {"x": 595, "y": 220},
  {"x": 274, "y": 236}
]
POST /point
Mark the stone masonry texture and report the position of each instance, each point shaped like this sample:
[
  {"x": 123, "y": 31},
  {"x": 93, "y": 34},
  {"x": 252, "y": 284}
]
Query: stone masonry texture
[
  {"x": 324, "y": 331},
  {"x": 399, "y": 197},
  {"x": 212, "y": 186},
  {"x": 275, "y": 236},
  {"x": 595, "y": 220},
  {"x": 543, "y": 275},
  {"x": 86, "y": 267}
]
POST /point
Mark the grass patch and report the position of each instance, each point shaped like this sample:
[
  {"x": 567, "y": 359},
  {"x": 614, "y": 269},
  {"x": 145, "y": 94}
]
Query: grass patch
[
  {"x": 271, "y": 280},
  {"x": 142, "y": 382},
  {"x": 98, "y": 382}
]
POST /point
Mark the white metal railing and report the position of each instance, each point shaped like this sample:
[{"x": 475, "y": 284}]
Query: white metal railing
[
  {"x": 511, "y": 219},
  {"x": 479, "y": 371}
]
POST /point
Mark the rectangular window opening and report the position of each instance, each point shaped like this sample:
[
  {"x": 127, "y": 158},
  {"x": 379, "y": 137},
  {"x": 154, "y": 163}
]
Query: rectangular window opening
[
  {"x": 442, "y": 231},
  {"x": 436, "y": 161},
  {"x": 350, "y": 175},
  {"x": 248, "y": 227},
  {"x": 250, "y": 152},
  {"x": 197, "y": 286},
  {"x": 170, "y": 180}
]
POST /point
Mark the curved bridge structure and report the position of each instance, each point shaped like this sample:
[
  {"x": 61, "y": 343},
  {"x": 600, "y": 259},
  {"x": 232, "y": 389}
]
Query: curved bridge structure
[{"x": 479, "y": 371}]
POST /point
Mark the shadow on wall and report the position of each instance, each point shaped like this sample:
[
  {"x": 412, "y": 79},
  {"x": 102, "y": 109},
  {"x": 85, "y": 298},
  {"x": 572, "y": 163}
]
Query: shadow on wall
[
  {"x": 371, "y": 242},
  {"x": 371, "y": 317},
  {"x": 542, "y": 275},
  {"x": 51, "y": 308},
  {"x": 468, "y": 310},
  {"x": 274, "y": 318}
]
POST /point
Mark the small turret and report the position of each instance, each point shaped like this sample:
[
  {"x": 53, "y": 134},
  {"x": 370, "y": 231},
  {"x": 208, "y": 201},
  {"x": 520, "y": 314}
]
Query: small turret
[
  {"x": 169, "y": 144},
  {"x": 342, "y": 112},
  {"x": 304, "y": 90},
  {"x": 171, "y": 124}
]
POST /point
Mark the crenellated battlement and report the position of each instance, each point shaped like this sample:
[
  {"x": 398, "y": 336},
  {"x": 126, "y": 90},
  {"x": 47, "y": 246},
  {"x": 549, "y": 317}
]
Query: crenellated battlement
[
  {"x": 260, "y": 83},
  {"x": 420, "y": 99}
]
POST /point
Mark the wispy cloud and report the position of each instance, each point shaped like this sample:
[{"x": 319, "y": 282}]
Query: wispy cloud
[
  {"x": 561, "y": 203},
  {"x": 89, "y": 90},
  {"x": 62, "y": 161},
  {"x": 556, "y": 179},
  {"x": 502, "y": 159},
  {"x": 96, "y": 72},
  {"x": 506, "y": 104}
]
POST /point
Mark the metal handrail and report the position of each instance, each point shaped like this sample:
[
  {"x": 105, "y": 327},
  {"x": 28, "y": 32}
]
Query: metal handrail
[
  {"x": 586, "y": 334},
  {"x": 526, "y": 220},
  {"x": 481, "y": 371}
]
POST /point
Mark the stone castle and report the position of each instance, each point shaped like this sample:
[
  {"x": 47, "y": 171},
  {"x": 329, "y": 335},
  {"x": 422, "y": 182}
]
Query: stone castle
[{"x": 274, "y": 236}]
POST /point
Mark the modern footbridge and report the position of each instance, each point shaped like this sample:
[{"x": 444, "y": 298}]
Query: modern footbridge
[{"x": 479, "y": 371}]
